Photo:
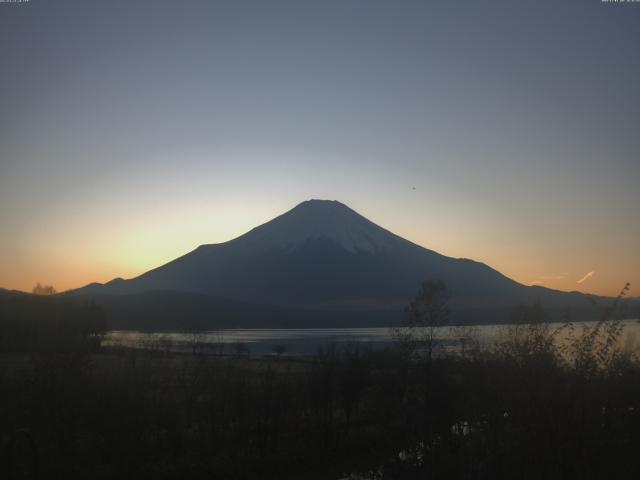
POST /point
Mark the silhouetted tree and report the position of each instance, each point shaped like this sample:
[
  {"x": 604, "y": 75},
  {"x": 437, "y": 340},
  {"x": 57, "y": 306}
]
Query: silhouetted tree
[
  {"x": 279, "y": 350},
  {"x": 43, "y": 289},
  {"x": 241, "y": 349},
  {"x": 428, "y": 311}
]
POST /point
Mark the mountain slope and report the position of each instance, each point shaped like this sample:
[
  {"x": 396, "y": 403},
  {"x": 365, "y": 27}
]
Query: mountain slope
[
  {"x": 318, "y": 252},
  {"x": 322, "y": 255}
]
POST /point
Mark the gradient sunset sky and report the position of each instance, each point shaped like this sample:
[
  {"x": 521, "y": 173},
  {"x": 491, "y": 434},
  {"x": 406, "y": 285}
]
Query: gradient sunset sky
[{"x": 133, "y": 131}]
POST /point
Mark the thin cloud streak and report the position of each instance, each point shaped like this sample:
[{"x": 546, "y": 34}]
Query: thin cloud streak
[
  {"x": 543, "y": 278},
  {"x": 586, "y": 277}
]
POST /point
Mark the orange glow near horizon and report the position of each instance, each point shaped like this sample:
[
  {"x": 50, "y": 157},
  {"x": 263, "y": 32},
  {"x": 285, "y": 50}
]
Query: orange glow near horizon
[{"x": 136, "y": 247}]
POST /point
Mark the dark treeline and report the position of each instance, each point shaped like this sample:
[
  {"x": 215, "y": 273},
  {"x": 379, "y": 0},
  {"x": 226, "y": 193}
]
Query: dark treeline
[
  {"x": 528, "y": 407},
  {"x": 32, "y": 323}
]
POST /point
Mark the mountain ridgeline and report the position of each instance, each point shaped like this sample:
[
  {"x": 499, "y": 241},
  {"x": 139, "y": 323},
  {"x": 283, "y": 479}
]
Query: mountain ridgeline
[{"x": 319, "y": 264}]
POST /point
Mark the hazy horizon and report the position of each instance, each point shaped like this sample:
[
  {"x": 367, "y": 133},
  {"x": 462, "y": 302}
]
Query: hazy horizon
[
  {"x": 132, "y": 132},
  {"x": 586, "y": 277}
]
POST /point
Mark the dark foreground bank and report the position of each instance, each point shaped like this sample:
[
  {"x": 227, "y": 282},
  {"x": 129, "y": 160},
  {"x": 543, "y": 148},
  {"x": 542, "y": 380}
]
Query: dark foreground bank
[
  {"x": 526, "y": 406},
  {"x": 521, "y": 410}
]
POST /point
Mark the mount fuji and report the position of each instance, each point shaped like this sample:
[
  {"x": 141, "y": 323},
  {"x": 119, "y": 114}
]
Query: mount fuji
[{"x": 320, "y": 263}]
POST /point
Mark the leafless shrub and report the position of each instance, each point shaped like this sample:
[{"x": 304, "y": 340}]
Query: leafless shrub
[
  {"x": 425, "y": 314},
  {"x": 594, "y": 349}
]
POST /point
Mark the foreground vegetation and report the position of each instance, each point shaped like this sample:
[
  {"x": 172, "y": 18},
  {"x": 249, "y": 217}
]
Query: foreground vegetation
[{"x": 526, "y": 408}]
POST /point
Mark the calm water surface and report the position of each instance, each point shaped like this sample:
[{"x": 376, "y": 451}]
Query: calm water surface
[{"x": 307, "y": 341}]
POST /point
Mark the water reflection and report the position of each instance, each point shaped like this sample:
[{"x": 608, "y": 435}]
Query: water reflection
[{"x": 307, "y": 341}]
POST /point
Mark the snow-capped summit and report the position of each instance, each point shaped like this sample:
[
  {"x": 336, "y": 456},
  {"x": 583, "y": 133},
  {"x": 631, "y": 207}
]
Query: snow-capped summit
[{"x": 324, "y": 220}]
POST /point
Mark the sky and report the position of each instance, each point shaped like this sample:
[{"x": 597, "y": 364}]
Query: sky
[{"x": 506, "y": 132}]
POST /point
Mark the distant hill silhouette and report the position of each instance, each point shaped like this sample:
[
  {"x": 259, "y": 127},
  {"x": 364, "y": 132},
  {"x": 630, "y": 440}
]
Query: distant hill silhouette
[{"x": 319, "y": 263}]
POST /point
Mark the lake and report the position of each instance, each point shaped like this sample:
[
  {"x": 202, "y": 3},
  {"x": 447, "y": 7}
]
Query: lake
[{"x": 307, "y": 341}]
